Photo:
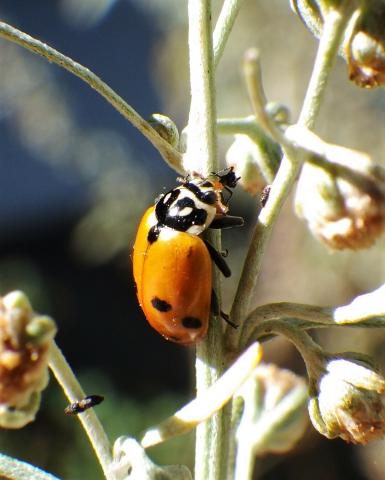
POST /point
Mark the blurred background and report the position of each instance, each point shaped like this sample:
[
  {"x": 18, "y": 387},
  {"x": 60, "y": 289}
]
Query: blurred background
[{"x": 76, "y": 178}]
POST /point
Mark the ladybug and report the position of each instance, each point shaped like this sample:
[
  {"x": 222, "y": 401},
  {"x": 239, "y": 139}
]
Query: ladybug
[{"x": 172, "y": 263}]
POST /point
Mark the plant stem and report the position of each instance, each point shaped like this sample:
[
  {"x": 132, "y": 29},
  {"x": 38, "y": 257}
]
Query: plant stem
[
  {"x": 287, "y": 173},
  {"x": 208, "y": 402},
  {"x": 313, "y": 315},
  {"x": 248, "y": 126},
  {"x": 11, "y": 468},
  {"x": 332, "y": 33},
  {"x": 201, "y": 146},
  {"x": 310, "y": 351},
  {"x": 280, "y": 189},
  {"x": 224, "y": 26},
  {"x": 256, "y": 429},
  {"x": 201, "y": 156},
  {"x": 169, "y": 154},
  {"x": 90, "y": 422}
]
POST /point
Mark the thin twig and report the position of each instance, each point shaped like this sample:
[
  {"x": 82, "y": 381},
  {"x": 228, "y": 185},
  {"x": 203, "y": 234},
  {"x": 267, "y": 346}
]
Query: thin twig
[
  {"x": 279, "y": 311},
  {"x": 13, "y": 469},
  {"x": 169, "y": 154},
  {"x": 280, "y": 189},
  {"x": 89, "y": 420},
  {"x": 333, "y": 30},
  {"x": 224, "y": 26},
  {"x": 253, "y": 78}
]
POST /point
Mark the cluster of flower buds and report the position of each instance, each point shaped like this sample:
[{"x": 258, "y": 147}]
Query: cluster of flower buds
[
  {"x": 364, "y": 43},
  {"x": 25, "y": 338},
  {"x": 349, "y": 400}
]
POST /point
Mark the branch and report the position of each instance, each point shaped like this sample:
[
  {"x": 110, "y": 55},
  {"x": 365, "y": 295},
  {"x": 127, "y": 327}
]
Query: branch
[
  {"x": 89, "y": 420},
  {"x": 201, "y": 156},
  {"x": 364, "y": 311},
  {"x": 11, "y": 468},
  {"x": 224, "y": 26},
  {"x": 333, "y": 29},
  {"x": 280, "y": 189},
  {"x": 289, "y": 169},
  {"x": 169, "y": 154}
]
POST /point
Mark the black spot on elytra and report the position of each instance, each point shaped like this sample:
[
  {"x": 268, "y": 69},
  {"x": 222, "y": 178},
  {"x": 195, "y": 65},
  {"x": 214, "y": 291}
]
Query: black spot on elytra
[
  {"x": 191, "y": 322},
  {"x": 161, "y": 305}
]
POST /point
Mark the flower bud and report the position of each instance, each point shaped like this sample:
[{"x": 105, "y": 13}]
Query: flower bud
[
  {"x": 255, "y": 158},
  {"x": 24, "y": 346},
  {"x": 244, "y": 155},
  {"x": 366, "y": 59},
  {"x": 350, "y": 401},
  {"x": 364, "y": 47},
  {"x": 274, "y": 414},
  {"x": 130, "y": 462},
  {"x": 364, "y": 43},
  {"x": 166, "y": 128},
  {"x": 343, "y": 205}
]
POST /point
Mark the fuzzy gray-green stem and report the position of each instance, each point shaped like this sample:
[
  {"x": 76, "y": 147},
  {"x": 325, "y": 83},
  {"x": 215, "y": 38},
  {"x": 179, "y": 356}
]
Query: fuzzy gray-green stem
[
  {"x": 11, "y": 468},
  {"x": 310, "y": 351},
  {"x": 170, "y": 155},
  {"x": 90, "y": 422},
  {"x": 330, "y": 41},
  {"x": 223, "y": 27},
  {"x": 201, "y": 156},
  {"x": 288, "y": 171}
]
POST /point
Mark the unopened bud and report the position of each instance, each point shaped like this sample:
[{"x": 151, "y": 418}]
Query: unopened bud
[
  {"x": 244, "y": 155},
  {"x": 349, "y": 402},
  {"x": 255, "y": 157},
  {"x": 366, "y": 60},
  {"x": 343, "y": 206},
  {"x": 364, "y": 43},
  {"x": 130, "y": 462},
  {"x": 274, "y": 415},
  {"x": 364, "y": 47},
  {"x": 25, "y": 339},
  {"x": 166, "y": 128}
]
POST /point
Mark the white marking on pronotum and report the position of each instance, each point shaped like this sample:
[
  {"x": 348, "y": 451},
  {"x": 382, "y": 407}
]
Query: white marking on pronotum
[
  {"x": 166, "y": 197},
  {"x": 185, "y": 211}
]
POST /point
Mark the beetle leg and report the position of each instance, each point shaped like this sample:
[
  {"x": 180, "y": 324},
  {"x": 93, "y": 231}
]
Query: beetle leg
[
  {"x": 215, "y": 304},
  {"x": 226, "y": 221},
  {"x": 217, "y": 311},
  {"x": 218, "y": 259}
]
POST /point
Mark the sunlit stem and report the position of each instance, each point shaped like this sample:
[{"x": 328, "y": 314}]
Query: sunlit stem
[{"x": 90, "y": 422}]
